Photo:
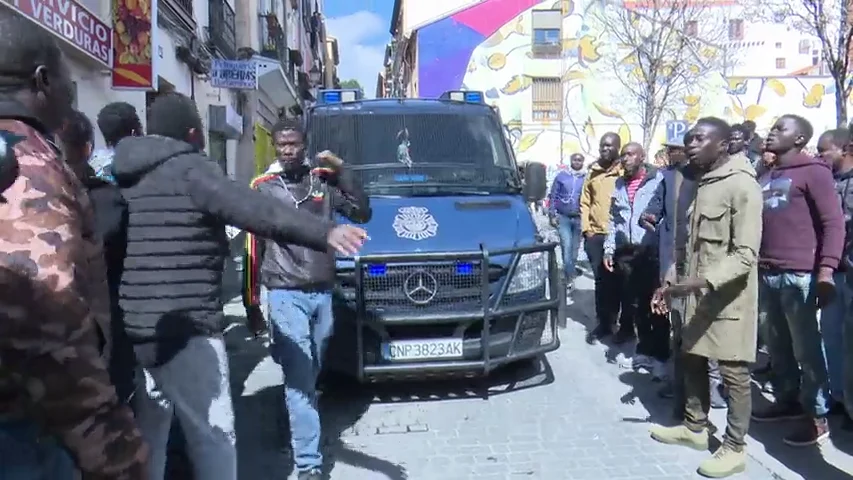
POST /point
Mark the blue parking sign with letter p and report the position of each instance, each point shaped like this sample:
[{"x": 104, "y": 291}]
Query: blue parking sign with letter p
[{"x": 675, "y": 130}]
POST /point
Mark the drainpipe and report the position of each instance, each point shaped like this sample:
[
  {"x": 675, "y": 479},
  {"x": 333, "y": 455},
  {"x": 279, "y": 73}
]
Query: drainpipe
[{"x": 245, "y": 164}]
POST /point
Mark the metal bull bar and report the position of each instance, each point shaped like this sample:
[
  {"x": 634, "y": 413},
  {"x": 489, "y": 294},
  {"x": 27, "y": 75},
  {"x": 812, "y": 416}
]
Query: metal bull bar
[{"x": 489, "y": 308}]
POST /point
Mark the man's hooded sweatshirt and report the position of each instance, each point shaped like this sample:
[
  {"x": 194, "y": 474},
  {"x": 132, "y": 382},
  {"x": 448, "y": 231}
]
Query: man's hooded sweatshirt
[
  {"x": 179, "y": 203},
  {"x": 803, "y": 227}
]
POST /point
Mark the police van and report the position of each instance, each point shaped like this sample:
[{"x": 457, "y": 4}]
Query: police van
[{"x": 455, "y": 278}]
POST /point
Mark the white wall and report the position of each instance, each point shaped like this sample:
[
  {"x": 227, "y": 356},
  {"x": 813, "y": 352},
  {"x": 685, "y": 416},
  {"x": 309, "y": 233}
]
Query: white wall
[
  {"x": 773, "y": 41},
  {"x": 94, "y": 91},
  {"x": 168, "y": 66}
]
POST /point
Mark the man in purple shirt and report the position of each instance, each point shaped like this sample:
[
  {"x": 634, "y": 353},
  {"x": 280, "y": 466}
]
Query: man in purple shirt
[
  {"x": 801, "y": 245},
  {"x": 564, "y": 211}
]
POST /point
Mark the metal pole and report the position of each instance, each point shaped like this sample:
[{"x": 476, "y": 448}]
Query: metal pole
[{"x": 562, "y": 86}]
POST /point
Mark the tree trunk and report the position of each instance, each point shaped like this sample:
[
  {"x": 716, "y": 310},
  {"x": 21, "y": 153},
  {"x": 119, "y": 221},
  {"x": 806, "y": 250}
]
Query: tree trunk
[
  {"x": 648, "y": 124},
  {"x": 842, "y": 91}
]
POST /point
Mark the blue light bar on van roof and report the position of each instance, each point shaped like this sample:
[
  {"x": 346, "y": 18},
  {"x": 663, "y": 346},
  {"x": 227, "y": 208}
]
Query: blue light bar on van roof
[
  {"x": 463, "y": 96},
  {"x": 340, "y": 96}
]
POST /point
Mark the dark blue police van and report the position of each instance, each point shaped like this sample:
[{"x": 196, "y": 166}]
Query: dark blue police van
[{"x": 455, "y": 278}]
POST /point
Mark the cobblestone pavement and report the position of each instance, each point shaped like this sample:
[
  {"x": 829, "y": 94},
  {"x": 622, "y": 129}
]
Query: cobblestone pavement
[{"x": 575, "y": 415}]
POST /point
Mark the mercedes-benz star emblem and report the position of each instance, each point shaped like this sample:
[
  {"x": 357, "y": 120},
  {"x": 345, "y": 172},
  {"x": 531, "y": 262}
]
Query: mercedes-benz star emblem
[{"x": 420, "y": 287}]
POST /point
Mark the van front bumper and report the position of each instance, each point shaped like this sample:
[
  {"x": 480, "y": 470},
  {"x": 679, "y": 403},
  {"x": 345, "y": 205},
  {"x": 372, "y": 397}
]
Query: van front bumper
[{"x": 485, "y": 330}]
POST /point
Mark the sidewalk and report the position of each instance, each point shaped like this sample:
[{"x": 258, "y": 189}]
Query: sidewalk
[{"x": 829, "y": 462}]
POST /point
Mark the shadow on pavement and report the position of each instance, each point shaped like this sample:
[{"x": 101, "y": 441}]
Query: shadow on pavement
[
  {"x": 263, "y": 439},
  {"x": 345, "y": 402},
  {"x": 510, "y": 378},
  {"x": 808, "y": 462}
]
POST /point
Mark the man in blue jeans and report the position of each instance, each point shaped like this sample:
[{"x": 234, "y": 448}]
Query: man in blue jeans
[
  {"x": 564, "y": 210},
  {"x": 299, "y": 281},
  {"x": 836, "y": 319},
  {"x": 801, "y": 245}
]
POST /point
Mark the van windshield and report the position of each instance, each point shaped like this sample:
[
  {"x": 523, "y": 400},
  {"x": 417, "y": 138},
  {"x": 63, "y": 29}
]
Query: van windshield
[{"x": 419, "y": 153}]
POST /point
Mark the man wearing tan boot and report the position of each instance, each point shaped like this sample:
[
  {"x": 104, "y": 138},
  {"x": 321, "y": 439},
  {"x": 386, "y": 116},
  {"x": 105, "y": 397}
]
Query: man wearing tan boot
[{"x": 720, "y": 287}]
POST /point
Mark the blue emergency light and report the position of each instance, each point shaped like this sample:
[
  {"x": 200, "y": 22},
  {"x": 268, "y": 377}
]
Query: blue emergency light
[
  {"x": 376, "y": 270},
  {"x": 404, "y": 178},
  {"x": 464, "y": 268},
  {"x": 463, "y": 96},
  {"x": 340, "y": 96}
]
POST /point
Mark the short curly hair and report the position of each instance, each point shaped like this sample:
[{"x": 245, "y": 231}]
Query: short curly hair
[
  {"x": 173, "y": 115},
  {"x": 77, "y": 130},
  {"x": 118, "y": 120}
]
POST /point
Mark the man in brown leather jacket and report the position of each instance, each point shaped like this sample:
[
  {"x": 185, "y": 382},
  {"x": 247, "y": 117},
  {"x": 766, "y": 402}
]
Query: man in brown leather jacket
[{"x": 300, "y": 281}]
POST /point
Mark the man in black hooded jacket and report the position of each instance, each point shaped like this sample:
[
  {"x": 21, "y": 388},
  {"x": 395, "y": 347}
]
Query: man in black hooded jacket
[
  {"x": 78, "y": 139},
  {"x": 179, "y": 203}
]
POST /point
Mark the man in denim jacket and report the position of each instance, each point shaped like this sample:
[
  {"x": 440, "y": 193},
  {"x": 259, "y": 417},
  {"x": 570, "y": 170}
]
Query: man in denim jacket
[
  {"x": 565, "y": 214},
  {"x": 631, "y": 250}
]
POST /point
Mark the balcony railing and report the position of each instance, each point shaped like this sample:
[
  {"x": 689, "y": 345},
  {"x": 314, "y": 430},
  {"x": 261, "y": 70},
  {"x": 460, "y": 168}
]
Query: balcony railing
[
  {"x": 272, "y": 41},
  {"x": 222, "y": 29},
  {"x": 182, "y": 10}
]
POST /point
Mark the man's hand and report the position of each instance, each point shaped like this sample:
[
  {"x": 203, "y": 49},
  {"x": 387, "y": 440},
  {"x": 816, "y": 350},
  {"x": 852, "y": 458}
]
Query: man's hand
[
  {"x": 255, "y": 321},
  {"x": 553, "y": 221},
  {"x": 824, "y": 288},
  {"x": 328, "y": 159},
  {"x": 347, "y": 239},
  {"x": 686, "y": 287},
  {"x": 660, "y": 302},
  {"x": 648, "y": 221},
  {"x": 608, "y": 263}
]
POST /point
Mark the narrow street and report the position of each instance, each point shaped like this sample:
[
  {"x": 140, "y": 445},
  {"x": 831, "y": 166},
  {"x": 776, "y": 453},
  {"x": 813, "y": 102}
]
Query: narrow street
[{"x": 573, "y": 416}]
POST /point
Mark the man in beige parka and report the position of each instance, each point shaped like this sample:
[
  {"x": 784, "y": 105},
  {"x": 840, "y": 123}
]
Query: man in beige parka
[{"x": 720, "y": 290}]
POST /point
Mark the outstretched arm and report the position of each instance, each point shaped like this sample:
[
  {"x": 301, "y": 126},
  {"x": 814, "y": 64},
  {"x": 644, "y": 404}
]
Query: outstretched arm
[{"x": 250, "y": 210}]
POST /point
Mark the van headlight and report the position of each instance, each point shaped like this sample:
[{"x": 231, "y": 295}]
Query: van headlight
[{"x": 529, "y": 274}]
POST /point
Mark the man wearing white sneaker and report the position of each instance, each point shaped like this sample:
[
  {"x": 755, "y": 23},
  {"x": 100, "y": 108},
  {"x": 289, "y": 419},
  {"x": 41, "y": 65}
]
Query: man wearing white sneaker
[{"x": 631, "y": 251}]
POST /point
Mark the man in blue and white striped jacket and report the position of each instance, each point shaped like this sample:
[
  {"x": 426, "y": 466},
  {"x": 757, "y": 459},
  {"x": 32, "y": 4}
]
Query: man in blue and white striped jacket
[{"x": 631, "y": 250}]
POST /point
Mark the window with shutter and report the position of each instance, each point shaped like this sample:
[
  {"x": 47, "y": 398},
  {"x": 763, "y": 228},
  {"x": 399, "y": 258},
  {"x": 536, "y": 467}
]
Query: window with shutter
[
  {"x": 547, "y": 33},
  {"x": 735, "y": 29},
  {"x": 547, "y": 103}
]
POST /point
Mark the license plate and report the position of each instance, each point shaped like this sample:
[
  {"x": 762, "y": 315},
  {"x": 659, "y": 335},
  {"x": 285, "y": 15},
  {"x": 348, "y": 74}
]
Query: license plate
[{"x": 422, "y": 349}]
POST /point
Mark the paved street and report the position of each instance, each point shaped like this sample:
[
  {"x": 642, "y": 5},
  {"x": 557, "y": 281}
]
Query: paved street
[{"x": 575, "y": 416}]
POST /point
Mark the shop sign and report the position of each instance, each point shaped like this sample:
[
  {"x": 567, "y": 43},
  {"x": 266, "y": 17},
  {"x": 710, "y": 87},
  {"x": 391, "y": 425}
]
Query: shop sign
[
  {"x": 134, "y": 40},
  {"x": 71, "y": 22},
  {"x": 235, "y": 74}
]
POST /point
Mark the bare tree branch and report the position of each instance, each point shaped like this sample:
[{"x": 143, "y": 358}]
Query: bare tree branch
[
  {"x": 663, "y": 51},
  {"x": 827, "y": 20}
]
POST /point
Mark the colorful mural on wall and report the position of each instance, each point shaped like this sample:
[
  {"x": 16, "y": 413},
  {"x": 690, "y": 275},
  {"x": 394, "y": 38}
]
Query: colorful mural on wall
[{"x": 488, "y": 47}]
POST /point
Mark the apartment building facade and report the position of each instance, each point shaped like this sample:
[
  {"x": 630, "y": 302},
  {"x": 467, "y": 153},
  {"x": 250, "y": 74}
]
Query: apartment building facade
[
  {"x": 180, "y": 46},
  {"x": 554, "y": 73}
]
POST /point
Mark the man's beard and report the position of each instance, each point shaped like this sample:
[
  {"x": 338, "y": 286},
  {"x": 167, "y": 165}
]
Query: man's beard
[
  {"x": 293, "y": 167},
  {"x": 690, "y": 171}
]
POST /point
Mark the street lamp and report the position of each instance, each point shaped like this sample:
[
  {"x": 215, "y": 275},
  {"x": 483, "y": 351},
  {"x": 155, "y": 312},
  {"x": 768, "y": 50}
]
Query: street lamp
[{"x": 315, "y": 75}]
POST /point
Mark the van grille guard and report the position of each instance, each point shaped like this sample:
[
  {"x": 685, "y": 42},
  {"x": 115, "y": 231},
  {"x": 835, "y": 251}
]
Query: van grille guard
[{"x": 478, "y": 301}]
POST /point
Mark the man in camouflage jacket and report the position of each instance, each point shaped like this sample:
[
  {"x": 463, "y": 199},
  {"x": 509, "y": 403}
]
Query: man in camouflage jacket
[{"x": 59, "y": 414}]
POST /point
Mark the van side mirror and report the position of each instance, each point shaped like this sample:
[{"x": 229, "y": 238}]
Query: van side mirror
[{"x": 535, "y": 181}]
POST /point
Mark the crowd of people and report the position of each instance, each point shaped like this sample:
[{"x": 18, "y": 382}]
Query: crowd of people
[
  {"x": 111, "y": 267},
  {"x": 731, "y": 245}
]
